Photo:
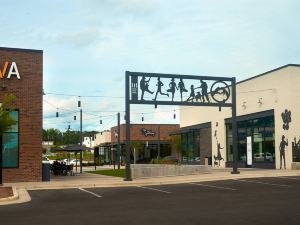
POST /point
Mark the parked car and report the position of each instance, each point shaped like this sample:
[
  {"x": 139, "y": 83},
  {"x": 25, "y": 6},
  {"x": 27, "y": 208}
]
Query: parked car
[
  {"x": 73, "y": 162},
  {"x": 261, "y": 156},
  {"x": 47, "y": 160}
]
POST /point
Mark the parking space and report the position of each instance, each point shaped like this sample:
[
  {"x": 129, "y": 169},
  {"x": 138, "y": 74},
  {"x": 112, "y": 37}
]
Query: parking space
[{"x": 247, "y": 201}]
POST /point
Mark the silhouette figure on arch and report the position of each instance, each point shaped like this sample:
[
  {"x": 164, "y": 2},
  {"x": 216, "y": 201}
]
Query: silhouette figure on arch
[
  {"x": 181, "y": 87},
  {"x": 204, "y": 92},
  {"x": 173, "y": 88},
  {"x": 159, "y": 85},
  {"x": 192, "y": 94},
  {"x": 144, "y": 85}
]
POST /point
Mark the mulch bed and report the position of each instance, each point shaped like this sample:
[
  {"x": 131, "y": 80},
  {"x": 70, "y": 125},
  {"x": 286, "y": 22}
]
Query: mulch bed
[{"x": 6, "y": 192}]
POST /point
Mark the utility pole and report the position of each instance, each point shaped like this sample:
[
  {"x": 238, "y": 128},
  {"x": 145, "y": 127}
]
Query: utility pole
[
  {"x": 234, "y": 129},
  {"x": 158, "y": 142},
  {"x": 127, "y": 116},
  {"x": 118, "y": 147},
  {"x": 80, "y": 140}
]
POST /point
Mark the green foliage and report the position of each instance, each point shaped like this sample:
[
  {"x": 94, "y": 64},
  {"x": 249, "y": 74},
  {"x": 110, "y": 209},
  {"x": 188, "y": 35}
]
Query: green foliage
[
  {"x": 113, "y": 173},
  {"x": 69, "y": 137},
  {"x": 163, "y": 161},
  {"x": 138, "y": 145},
  {"x": 6, "y": 121},
  {"x": 175, "y": 141}
]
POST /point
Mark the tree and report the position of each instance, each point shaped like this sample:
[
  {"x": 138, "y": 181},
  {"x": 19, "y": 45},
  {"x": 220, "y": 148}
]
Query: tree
[
  {"x": 175, "y": 141},
  {"x": 6, "y": 122},
  {"x": 138, "y": 146}
]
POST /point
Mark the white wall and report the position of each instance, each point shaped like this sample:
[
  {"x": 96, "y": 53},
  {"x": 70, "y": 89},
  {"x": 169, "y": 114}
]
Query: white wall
[
  {"x": 104, "y": 137},
  {"x": 278, "y": 90},
  {"x": 88, "y": 142}
]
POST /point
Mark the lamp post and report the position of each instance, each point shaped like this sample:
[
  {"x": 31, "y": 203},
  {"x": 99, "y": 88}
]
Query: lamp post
[
  {"x": 118, "y": 147},
  {"x": 158, "y": 141},
  {"x": 80, "y": 139}
]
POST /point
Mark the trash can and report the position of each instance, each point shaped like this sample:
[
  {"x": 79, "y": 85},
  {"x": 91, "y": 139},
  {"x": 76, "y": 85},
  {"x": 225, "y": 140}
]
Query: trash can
[
  {"x": 208, "y": 161},
  {"x": 46, "y": 172}
]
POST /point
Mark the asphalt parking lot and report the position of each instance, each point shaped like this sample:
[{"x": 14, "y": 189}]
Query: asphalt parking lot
[{"x": 247, "y": 201}]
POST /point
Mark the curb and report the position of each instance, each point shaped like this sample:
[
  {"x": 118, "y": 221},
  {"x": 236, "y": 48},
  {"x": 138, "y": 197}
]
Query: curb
[
  {"x": 143, "y": 182},
  {"x": 19, "y": 196},
  {"x": 11, "y": 198}
]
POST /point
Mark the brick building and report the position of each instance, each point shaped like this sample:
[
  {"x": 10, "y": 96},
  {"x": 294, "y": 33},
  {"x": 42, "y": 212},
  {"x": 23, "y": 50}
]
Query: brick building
[
  {"x": 145, "y": 138},
  {"x": 21, "y": 74}
]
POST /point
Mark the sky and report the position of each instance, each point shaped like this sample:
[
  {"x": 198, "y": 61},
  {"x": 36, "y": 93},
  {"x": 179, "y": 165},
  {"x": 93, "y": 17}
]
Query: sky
[{"x": 89, "y": 44}]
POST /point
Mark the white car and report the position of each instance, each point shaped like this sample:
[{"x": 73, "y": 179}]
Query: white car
[
  {"x": 46, "y": 160},
  {"x": 73, "y": 162}
]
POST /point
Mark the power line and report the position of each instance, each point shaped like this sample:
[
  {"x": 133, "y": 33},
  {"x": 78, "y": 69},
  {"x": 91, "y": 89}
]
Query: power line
[{"x": 84, "y": 96}]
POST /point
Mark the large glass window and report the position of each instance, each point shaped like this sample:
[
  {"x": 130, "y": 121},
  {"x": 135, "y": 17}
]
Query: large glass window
[
  {"x": 190, "y": 147},
  {"x": 263, "y": 142},
  {"x": 10, "y": 145}
]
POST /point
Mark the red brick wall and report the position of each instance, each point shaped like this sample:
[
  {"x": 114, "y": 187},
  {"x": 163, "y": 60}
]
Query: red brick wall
[
  {"x": 29, "y": 101},
  {"x": 136, "y": 134}
]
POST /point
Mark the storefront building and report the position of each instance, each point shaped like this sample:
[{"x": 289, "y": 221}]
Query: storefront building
[
  {"x": 21, "y": 74},
  {"x": 268, "y": 122},
  {"x": 103, "y": 145},
  {"x": 148, "y": 141}
]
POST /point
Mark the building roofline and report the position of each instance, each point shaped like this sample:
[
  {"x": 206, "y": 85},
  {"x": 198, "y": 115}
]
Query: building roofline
[
  {"x": 270, "y": 71},
  {"x": 21, "y": 50}
]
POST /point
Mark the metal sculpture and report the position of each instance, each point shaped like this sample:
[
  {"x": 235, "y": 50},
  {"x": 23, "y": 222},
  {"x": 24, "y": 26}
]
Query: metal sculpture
[
  {"x": 192, "y": 94},
  {"x": 144, "y": 85},
  {"x": 286, "y": 118},
  {"x": 204, "y": 93},
  {"x": 220, "y": 91},
  {"x": 219, "y": 156},
  {"x": 172, "y": 87},
  {"x": 181, "y": 87},
  {"x": 158, "y": 91},
  {"x": 212, "y": 91},
  {"x": 282, "y": 146}
]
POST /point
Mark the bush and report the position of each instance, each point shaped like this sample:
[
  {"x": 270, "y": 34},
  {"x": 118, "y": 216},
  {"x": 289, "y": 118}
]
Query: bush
[{"x": 163, "y": 161}]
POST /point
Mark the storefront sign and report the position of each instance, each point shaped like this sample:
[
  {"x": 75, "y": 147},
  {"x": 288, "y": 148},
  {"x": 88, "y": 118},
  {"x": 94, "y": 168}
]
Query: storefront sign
[
  {"x": 13, "y": 71},
  {"x": 148, "y": 132},
  {"x": 249, "y": 151}
]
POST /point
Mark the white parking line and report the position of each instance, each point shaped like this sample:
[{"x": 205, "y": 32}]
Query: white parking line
[
  {"x": 289, "y": 178},
  {"x": 259, "y": 182},
  {"x": 212, "y": 186},
  {"x": 92, "y": 193},
  {"x": 154, "y": 189}
]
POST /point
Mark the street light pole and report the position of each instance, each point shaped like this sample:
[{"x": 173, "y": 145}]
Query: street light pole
[
  {"x": 127, "y": 115},
  {"x": 80, "y": 140},
  {"x": 118, "y": 148},
  {"x": 234, "y": 130},
  {"x": 158, "y": 142}
]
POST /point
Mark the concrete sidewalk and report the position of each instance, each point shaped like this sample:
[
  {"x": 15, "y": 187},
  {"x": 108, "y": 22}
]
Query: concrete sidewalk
[{"x": 87, "y": 180}]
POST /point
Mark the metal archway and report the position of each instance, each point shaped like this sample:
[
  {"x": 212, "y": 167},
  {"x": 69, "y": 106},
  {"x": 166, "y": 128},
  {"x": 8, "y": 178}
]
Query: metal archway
[{"x": 215, "y": 92}]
